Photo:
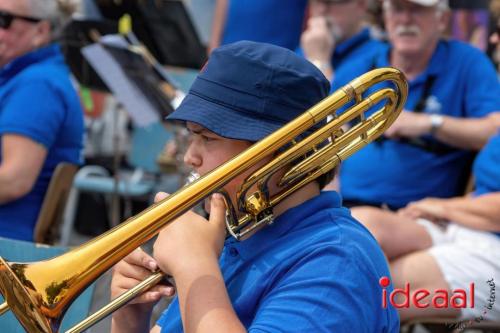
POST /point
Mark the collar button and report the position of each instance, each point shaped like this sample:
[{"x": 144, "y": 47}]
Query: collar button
[{"x": 233, "y": 252}]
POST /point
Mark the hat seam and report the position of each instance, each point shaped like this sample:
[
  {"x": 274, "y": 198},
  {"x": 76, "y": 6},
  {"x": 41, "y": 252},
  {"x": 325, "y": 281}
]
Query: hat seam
[
  {"x": 201, "y": 95},
  {"x": 232, "y": 107},
  {"x": 227, "y": 87}
]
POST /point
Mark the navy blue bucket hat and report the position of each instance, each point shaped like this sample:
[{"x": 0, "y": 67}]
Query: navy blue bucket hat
[{"x": 248, "y": 90}]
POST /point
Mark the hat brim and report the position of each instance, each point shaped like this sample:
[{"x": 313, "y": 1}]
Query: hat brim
[
  {"x": 221, "y": 120},
  {"x": 425, "y": 3}
]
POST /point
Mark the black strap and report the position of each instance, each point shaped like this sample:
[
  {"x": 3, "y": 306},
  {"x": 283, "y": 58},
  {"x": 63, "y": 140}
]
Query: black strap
[
  {"x": 427, "y": 144},
  {"x": 426, "y": 92}
]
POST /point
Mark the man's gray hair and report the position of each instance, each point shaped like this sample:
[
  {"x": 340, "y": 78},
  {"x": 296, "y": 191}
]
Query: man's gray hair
[{"x": 57, "y": 12}]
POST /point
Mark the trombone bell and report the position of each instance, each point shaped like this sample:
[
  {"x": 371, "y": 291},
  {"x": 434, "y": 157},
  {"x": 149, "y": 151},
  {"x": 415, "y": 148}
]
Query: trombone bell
[{"x": 27, "y": 308}]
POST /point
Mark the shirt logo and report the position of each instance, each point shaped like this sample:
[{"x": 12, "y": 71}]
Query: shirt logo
[{"x": 432, "y": 105}]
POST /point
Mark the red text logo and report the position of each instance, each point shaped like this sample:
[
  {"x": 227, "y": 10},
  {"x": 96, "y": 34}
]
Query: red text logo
[{"x": 423, "y": 298}]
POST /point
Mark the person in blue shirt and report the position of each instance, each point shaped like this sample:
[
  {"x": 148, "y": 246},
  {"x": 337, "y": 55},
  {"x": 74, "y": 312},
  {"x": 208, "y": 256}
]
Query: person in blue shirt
[
  {"x": 337, "y": 35},
  {"x": 448, "y": 243},
  {"x": 41, "y": 121},
  {"x": 268, "y": 21},
  {"x": 453, "y": 88},
  {"x": 315, "y": 269}
]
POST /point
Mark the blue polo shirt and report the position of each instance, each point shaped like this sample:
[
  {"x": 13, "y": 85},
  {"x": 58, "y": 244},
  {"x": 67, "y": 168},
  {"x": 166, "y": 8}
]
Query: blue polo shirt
[
  {"x": 315, "y": 269},
  {"x": 38, "y": 101},
  {"x": 265, "y": 21},
  {"x": 357, "y": 48},
  {"x": 464, "y": 84},
  {"x": 487, "y": 168},
  {"x": 360, "y": 46}
]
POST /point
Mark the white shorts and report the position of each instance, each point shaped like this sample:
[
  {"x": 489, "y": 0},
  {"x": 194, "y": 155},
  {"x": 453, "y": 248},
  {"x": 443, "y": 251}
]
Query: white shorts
[{"x": 464, "y": 256}]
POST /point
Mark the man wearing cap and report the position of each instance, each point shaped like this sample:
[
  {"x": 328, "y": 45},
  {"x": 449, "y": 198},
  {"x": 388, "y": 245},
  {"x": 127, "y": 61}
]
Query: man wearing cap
[
  {"x": 315, "y": 269},
  {"x": 448, "y": 243},
  {"x": 337, "y": 34},
  {"x": 452, "y": 90}
]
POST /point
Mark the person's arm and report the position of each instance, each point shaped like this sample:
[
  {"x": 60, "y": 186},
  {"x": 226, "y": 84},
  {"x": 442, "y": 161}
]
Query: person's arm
[
  {"x": 189, "y": 251},
  {"x": 318, "y": 44},
  {"x": 481, "y": 213},
  {"x": 457, "y": 132},
  {"x": 27, "y": 130},
  {"x": 468, "y": 133},
  {"x": 219, "y": 22},
  {"x": 22, "y": 160}
]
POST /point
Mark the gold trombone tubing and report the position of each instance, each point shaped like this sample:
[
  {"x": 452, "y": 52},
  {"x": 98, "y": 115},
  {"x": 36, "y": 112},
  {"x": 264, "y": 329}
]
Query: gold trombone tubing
[
  {"x": 117, "y": 303},
  {"x": 4, "y": 307}
]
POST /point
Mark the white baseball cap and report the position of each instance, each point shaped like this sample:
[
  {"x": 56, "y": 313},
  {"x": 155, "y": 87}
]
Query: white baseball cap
[{"x": 429, "y": 3}]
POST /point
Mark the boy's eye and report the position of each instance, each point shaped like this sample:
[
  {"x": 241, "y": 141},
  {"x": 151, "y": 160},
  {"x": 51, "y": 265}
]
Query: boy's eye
[{"x": 206, "y": 138}]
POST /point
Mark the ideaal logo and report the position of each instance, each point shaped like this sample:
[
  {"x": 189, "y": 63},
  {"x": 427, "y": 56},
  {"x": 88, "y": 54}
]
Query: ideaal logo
[
  {"x": 490, "y": 302},
  {"x": 423, "y": 298}
]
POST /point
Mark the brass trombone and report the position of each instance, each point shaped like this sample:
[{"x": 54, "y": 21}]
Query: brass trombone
[{"x": 39, "y": 293}]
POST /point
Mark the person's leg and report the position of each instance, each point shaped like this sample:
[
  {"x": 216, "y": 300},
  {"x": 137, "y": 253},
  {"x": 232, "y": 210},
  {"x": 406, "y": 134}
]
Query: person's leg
[
  {"x": 397, "y": 235},
  {"x": 421, "y": 271}
]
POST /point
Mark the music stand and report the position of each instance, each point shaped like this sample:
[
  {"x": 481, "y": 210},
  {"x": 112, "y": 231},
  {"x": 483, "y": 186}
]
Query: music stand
[
  {"x": 138, "y": 83},
  {"x": 145, "y": 93},
  {"x": 165, "y": 27},
  {"x": 77, "y": 35}
]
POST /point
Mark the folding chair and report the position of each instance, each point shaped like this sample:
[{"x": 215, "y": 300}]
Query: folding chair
[{"x": 54, "y": 203}]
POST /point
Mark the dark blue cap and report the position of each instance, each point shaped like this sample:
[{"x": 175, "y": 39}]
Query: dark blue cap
[{"x": 248, "y": 90}]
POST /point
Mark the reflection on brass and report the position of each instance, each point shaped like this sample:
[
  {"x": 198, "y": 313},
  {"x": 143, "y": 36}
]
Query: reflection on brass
[
  {"x": 39, "y": 293},
  {"x": 4, "y": 307}
]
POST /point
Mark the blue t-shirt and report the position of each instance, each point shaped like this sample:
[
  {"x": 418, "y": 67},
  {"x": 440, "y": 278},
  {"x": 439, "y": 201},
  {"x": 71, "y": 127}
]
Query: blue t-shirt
[
  {"x": 487, "y": 168},
  {"x": 464, "y": 84},
  {"x": 315, "y": 269},
  {"x": 265, "y": 21},
  {"x": 38, "y": 101}
]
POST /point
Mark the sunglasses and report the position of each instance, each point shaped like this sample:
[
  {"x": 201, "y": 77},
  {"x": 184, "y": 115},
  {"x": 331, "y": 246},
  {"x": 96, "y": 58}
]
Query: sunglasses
[{"x": 6, "y": 19}]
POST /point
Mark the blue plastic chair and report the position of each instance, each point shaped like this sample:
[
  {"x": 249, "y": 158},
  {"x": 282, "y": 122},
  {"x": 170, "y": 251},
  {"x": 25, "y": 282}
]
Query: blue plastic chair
[
  {"x": 21, "y": 251},
  {"x": 146, "y": 144}
]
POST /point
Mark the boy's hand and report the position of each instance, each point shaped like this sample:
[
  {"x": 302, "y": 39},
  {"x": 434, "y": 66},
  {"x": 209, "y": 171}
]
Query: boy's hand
[{"x": 191, "y": 240}]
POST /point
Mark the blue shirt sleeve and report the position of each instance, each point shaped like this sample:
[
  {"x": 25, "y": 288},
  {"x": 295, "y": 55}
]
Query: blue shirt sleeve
[
  {"x": 169, "y": 320},
  {"x": 35, "y": 110},
  {"x": 482, "y": 93},
  {"x": 307, "y": 292}
]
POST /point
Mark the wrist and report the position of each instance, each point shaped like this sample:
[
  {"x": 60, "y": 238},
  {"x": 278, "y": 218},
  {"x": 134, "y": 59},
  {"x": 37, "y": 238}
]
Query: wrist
[
  {"x": 322, "y": 65},
  {"x": 197, "y": 266},
  {"x": 436, "y": 122},
  {"x": 132, "y": 318}
]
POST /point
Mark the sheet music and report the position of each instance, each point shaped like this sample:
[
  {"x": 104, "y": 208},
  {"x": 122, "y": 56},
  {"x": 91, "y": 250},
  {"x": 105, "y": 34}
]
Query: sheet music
[{"x": 140, "y": 109}]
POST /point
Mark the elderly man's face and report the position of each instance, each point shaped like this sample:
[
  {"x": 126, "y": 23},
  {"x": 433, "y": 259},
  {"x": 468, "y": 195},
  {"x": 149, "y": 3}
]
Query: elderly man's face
[
  {"x": 412, "y": 28},
  {"x": 343, "y": 15},
  {"x": 21, "y": 36}
]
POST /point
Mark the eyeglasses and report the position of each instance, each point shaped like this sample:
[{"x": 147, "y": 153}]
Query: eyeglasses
[{"x": 6, "y": 19}]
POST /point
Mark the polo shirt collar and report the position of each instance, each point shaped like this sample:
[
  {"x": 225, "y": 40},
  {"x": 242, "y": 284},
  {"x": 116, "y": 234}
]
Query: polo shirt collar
[
  {"x": 435, "y": 65},
  {"x": 18, "y": 64},
  {"x": 296, "y": 217}
]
